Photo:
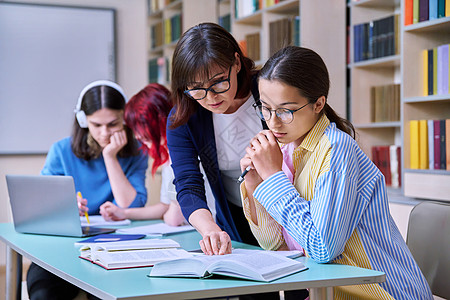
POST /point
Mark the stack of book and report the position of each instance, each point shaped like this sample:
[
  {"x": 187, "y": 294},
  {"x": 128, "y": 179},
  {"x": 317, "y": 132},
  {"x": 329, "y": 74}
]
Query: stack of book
[
  {"x": 172, "y": 28},
  {"x": 158, "y": 70},
  {"x": 376, "y": 39},
  {"x": 385, "y": 103},
  {"x": 157, "y": 38},
  {"x": 225, "y": 22},
  {"x": 253, "y": 46},
  {"x": 284, "y": 32},
  {"x": 131, "y": 253},
  {"x": 429, "y": 144},
  {"x": 388, "y": 160},
  {"x": 244, "y": 8},
  {"x": 419, "y": 11},
  {"x": 435, "y": 76}
]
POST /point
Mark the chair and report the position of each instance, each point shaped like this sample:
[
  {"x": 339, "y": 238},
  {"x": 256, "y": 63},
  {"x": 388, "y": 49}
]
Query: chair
[{"x": 428, "y": 238}]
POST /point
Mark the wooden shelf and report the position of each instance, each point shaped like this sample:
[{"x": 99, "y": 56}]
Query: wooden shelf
[
  {"x": 378, "y": 125},
  {"x": 441, "y": 25},
  {"x": 375, "y": 3},
  {"x": 382, "y": 62}
]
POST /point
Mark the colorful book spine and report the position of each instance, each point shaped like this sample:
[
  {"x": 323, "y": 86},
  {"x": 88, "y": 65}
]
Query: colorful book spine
[
  {"x": 432, "y": 9},
  {"x": 447, "y": 142},
  {"x": 437, "y": 144},
  {"x": 409, "y": 12},
  {"x": 443, "y": 163},
  {"x": 425, "y": 72},
  {"x": 395, "y": 175},
  {"x": 430, "y": 71},
  {"x": 441, "y": 8},
  {"x": 414, "y": 143},
  {"x": 415, "y": 11},
  {"x": 423, "y": 10},
  {"x": 423, "y": 144},
  {"x": 430, "y": 126},
  {"x": 447, "y": 8},
  {"x": 442, "y": 69},
  {"x": 435, "y": 71}
]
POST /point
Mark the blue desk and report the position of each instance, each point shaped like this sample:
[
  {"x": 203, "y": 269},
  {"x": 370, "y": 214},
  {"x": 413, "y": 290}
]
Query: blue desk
[{"x": 60, "y": 256}]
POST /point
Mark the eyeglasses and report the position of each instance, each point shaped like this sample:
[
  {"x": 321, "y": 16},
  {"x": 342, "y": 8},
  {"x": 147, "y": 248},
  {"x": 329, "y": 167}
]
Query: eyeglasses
[
  {"x": 217, "y": 88},
  {"x": 285, "y": 115}
]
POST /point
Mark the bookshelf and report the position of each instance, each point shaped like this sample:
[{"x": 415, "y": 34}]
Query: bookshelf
[
  {"x": 404, "y": 66},
  {"x": 258, "y": 22},
  {"x": 167, "y": 20},
  {"x": 427, "y": 183},
  {"x": 375, "y": 69}
]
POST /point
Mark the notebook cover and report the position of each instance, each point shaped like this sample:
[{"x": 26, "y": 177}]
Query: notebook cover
[{"x": 102, "y": 238}]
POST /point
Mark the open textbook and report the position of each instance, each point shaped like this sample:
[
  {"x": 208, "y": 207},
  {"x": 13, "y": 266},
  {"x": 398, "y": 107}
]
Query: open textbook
[
  {"x": 132, "y": 254},
  {"x": 256, "y": 265},
  {"x": 155, "y": 229}
]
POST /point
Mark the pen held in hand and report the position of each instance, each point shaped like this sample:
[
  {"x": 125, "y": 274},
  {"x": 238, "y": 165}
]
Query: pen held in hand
[
  {"x": 85, "y": 213},
  {"x": 241, "y": 178}
]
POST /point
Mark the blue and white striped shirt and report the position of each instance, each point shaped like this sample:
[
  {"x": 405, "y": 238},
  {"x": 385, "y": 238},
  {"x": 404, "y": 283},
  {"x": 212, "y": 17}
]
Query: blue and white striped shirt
[{"x": 337, "y": 210}]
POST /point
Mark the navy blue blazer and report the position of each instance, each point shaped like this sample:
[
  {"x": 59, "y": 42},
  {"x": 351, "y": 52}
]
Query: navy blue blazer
[{"x": 187, "y": 143}]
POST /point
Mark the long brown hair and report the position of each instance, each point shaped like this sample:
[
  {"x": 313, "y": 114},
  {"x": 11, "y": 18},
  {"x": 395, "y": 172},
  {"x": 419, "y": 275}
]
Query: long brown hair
[
  {"x": 304, "y": 69},
  {"x": 199, "y": 49},
  {"x": 94, "y": 99}
]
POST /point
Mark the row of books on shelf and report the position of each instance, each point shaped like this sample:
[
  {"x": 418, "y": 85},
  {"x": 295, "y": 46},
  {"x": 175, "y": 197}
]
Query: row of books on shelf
[
  {"x": 282, "y": 32},
  {"x": 436, "y": 67},
  {"x": 388, "y": 160},
  {"x": 158, "y": 70},
  {"x": 244, "y": 8},
  {"x": 385, "y": 103},
  {"x": 375, "y": 39},
  {"x": 429, "y": 144},
  {"x": 424, "y": 10},
  {"x": 157, "y": 5},
  {"x": 166, "y": 31},
  {"x": 225, "y": 22}
]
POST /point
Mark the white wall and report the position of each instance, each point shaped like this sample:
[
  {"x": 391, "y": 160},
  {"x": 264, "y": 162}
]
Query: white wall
[{"x": 132, "y": 44}]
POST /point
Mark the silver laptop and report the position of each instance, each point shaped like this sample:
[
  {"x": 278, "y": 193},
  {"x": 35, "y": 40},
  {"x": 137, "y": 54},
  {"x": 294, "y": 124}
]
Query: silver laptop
[{"x": 47, "y": 205}]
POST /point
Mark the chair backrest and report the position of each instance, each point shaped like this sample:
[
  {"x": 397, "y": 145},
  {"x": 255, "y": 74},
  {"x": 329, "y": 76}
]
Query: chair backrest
[{"x": 428, "y": 238}]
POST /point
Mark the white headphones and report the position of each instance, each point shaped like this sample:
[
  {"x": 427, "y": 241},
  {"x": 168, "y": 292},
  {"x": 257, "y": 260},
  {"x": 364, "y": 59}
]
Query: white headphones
[{"x": 80, "y": 115}]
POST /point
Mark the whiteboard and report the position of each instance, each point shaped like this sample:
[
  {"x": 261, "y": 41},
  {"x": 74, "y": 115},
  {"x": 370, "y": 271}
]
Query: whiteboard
[{"x": 47, "y": 55}]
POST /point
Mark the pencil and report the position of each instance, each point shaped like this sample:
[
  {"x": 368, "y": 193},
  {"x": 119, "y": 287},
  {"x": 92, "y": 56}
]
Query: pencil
[
  {"x": 85, "y": 213},
  {"x": 241, "y": 178}
]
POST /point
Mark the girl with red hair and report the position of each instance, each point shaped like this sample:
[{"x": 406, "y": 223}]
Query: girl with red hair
[{"x": 146, "y": 114}]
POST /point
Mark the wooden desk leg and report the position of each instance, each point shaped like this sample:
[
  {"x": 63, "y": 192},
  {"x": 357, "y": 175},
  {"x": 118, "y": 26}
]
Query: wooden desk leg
[
  {"x": 13, "y": 274},
  {"x": 324, "y": 293}
]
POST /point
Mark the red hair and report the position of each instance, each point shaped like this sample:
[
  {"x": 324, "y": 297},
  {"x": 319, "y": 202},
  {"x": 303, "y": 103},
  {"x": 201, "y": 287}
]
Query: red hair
[{"x": 146, "y": 115}]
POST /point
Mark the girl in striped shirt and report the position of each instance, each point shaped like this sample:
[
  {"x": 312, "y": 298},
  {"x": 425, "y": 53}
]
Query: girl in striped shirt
[{"x": 320, "y": 192}]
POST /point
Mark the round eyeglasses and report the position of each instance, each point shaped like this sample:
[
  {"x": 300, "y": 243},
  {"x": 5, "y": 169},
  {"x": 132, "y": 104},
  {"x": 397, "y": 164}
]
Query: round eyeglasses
[
  {"x": 217, "y": 88},
  {"x": 285, "y": 115}
]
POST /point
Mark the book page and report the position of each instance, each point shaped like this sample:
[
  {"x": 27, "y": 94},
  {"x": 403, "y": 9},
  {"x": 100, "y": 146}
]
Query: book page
[
  {"x": 130, "y": 245},
  {"x": 256, "y": 265},
  {"x": 138, "y": 257}
]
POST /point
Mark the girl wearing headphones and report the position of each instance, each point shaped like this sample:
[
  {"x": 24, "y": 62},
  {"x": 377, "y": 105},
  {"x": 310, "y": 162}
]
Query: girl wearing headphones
[{"x": 104, "y": 160}]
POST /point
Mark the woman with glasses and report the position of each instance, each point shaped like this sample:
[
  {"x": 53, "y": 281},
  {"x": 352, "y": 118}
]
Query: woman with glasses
[
  {"x": 320, "y": 192},
  {"x": 211, "y": 124}
]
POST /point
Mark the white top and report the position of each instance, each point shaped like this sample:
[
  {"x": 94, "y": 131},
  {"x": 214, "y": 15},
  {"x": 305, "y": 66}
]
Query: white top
[{"x": 233, "y": 133}]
